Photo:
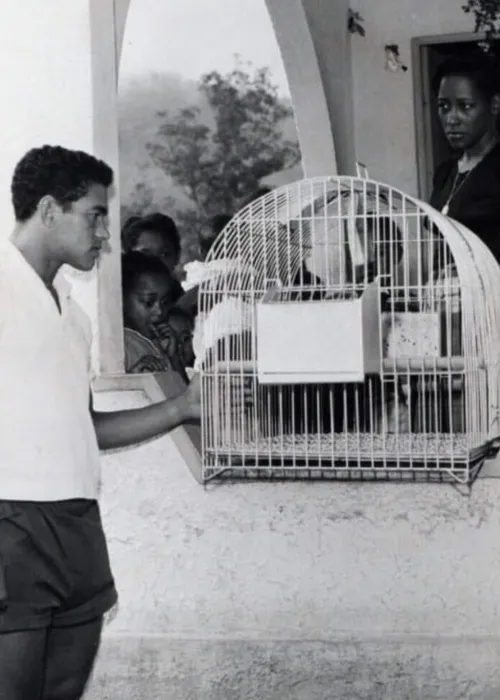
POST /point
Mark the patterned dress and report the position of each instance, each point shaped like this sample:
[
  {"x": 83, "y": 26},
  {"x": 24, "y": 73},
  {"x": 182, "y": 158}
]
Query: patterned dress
[{"x": 143, "y": 355}]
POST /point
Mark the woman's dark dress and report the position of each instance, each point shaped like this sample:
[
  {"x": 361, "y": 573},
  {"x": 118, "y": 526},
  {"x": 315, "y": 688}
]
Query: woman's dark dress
[{"x": 476, "y": 203}]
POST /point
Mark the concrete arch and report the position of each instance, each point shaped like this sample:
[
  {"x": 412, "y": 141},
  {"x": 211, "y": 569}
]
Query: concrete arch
[
  {"x": 316, "y": 49},
  {"x": 121, "y": 8},
  {"x": 299, "y": 56}
]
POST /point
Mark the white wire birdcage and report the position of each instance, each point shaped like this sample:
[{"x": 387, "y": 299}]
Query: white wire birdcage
[{"x": 367, "y": 325}]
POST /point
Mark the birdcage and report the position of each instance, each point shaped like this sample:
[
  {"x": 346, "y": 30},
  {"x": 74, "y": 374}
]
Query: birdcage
[{"x": 367, "y": 326}]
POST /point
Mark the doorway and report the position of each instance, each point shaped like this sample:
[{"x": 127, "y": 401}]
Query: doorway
[{"x": 428, "y": 53}]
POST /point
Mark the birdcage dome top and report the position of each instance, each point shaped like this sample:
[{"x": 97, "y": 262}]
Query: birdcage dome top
[
  {"x": 342, "y": 292},
  {"x": 311, "y": 223}
]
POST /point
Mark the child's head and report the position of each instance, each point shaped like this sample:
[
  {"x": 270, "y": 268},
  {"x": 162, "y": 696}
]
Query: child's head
[
  {"x": 147, "y": 291},
  {"x": 182, "y": 325},
  {"x": 154, "y": 235}
]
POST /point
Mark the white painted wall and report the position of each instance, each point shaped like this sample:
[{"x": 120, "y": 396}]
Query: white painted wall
[
  {"x": 383, "y": 101},
  {"x": 49, "y": 96},
  {"x": 313, "y": 118},
  {"x": 39, "y": 40},
  {"x": 46, "y": 97}
]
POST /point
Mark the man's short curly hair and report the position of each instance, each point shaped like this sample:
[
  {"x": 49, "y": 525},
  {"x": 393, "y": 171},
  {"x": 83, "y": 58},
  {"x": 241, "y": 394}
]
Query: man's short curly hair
[{"x": 64, "y": 174}]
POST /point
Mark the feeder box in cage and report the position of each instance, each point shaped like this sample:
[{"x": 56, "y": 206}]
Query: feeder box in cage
[{"x": 318, "y": 342}]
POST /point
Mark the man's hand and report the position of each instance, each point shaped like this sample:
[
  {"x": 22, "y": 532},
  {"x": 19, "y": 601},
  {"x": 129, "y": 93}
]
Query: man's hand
[{"x": 237, "y": 395}]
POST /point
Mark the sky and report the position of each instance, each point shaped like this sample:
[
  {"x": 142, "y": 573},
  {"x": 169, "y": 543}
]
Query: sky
[{"x": 191, "y": 37}]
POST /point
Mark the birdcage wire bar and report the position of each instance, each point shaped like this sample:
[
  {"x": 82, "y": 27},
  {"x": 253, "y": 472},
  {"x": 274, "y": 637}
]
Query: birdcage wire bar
[{"x": 430, "y": 408}]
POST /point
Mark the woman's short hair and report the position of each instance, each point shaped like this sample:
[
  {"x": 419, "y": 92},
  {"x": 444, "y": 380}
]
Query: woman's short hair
[{"x": 482, "y": 71}]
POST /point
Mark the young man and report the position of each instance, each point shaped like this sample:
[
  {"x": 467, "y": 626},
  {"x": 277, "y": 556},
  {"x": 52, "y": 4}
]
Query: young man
[{"x": 55, "y": 578}]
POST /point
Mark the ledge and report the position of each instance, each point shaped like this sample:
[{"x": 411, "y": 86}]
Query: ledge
[{"x": 158, "y": 387}]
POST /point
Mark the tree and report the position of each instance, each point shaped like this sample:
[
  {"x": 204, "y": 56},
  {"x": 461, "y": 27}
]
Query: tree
[
  {"x": 219, "y": 163},
  {"x": 139, "y": 201},
  {"x": 142, "y": 200},
  {"x": 486, "y": 15}
]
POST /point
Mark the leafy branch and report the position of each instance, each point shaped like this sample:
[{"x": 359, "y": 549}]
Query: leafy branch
[
  {"x": 486, "y": 15},
  {"x": 216, "y": 165}
]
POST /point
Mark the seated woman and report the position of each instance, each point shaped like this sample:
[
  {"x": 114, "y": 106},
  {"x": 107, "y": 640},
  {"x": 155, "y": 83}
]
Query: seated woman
[
  {"x": 155, "y": 235},
  {"x": 148, "y": 293}
]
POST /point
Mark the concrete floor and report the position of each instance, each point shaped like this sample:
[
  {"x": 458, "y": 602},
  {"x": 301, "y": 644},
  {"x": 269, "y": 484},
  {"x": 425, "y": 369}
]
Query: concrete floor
[{"x": 387, "y": 669}]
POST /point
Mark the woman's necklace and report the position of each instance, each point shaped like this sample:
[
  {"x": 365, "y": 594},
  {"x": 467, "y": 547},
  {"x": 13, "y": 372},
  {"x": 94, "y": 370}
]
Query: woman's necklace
[{"x": 456, "y": 186}]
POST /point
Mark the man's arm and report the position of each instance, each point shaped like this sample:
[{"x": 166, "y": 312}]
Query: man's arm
[{"x": 123, "y": 428}]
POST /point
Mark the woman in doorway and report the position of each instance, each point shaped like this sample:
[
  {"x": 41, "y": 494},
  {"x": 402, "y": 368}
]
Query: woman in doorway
[{"x": 466, "y": 187}]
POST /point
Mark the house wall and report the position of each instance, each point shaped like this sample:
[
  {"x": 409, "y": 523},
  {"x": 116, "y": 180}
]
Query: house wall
[
  {"x": 384, "y": 121},
  {"x": 299, "y": 591},
  {"x": 54, "y": 93}
]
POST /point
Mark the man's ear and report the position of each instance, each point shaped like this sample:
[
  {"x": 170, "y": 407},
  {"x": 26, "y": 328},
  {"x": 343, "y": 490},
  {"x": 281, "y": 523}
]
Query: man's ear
[
  {"x": 48, "y": 209},
  {"x": 495, "y": 105}
]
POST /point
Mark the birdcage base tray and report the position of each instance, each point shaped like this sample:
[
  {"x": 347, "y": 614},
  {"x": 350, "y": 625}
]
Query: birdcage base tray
[
  {"x": 370, "y": 448},
  {"x": 424, "y": 457}
]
